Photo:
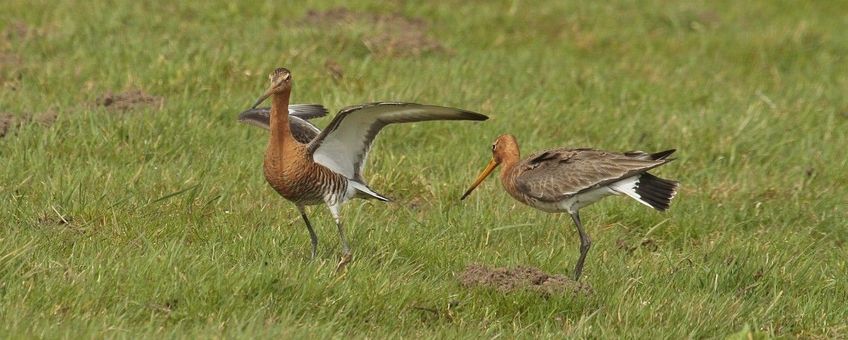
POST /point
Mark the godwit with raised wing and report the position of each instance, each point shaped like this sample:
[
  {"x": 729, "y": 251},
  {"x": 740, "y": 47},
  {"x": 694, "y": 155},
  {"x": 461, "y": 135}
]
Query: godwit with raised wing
[
  {"x": 329, "y": 168},
  {"x": 565, "y": 180}
]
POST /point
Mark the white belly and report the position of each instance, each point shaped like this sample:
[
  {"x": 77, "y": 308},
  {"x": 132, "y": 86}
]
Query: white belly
[{"x": 574, "y": 203}]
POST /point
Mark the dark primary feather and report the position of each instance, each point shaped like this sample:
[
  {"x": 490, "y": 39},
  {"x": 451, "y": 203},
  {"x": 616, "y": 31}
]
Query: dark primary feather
[
  {"x": 562, "y": 173},
  {"x": 663, "y": 154},
  {"x": 262, "y": 115},
  {"x": 302, "y": 130},
  {"x": 654, "y": 156}
]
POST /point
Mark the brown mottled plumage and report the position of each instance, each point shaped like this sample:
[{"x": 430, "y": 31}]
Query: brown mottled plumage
[
  {"x": 309, "y": 166},
  {"x": 565, "y": 180}
]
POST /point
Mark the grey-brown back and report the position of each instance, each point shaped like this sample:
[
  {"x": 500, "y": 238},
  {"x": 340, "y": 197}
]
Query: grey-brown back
[{"x": 558, "y": 174}]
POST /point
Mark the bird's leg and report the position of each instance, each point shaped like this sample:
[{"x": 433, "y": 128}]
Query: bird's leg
[
  {"x": 346, "y": 255},
  {"x": 585, "y": 243},
  {"x": 312, "y": 235}
]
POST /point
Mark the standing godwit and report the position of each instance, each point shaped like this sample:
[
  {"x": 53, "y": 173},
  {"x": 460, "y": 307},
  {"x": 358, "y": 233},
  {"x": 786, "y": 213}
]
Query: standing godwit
[
  {"x": 329, "y": 168},
  {"x": 565, "y": 180}
]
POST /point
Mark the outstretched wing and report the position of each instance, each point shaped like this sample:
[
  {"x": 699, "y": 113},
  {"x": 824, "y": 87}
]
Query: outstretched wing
[
  {"x": 343, "y": 145},
  {"x": 302, "y": 130},
  {"x": 261, "y": 116},
  {"x": 307, "y": 111},
  {"x": 557, "y": 174}
]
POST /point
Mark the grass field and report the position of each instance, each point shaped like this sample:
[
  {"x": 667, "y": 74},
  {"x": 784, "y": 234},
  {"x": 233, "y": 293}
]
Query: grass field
[{"x": 151, "y": 217}]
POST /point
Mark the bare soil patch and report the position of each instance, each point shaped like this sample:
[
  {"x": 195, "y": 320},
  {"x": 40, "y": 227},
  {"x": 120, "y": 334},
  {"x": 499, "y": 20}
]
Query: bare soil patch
[
  {"x": 51, "y": 219},
  {"x": 130, "y": 100},
  {"x": 11, "y": 66},
  {"x": 647, "y": 244},
  {"x": 7, "y": 123},
  {"x": 11, "y": 122},
  {"x": 520, "y": 278},
  {"x": 334, "y": 69},
  {"x": 10, "y": 60},
  {"x": 390, "y": 35},
  {"x": 401, "y": 43},
  {"x": 333, "y": 16},
  {"x": 16, "y": 30}
]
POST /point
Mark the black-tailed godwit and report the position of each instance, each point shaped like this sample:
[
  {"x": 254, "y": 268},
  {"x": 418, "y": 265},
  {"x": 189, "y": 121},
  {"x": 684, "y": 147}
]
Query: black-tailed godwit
[
  {"x": 565, "y": 180},
  {"x": 328, "y": 169}
]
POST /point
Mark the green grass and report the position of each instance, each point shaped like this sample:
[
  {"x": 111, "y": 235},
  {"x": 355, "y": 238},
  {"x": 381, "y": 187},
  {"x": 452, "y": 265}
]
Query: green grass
[{"x": 173, "y": 231}]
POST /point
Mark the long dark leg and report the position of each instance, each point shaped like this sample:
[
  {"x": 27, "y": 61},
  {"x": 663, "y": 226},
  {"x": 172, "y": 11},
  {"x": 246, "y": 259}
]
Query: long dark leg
[
  {"x": 585, "y": 243},
  {"x": 312, "y": 235},
  {"x": 346, "y": 255}
]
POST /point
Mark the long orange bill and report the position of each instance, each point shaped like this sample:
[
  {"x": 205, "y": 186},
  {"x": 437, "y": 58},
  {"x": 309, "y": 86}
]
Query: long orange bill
[
  {"x": 261, "y": 99},
  {"x": 488, "y": 170}
]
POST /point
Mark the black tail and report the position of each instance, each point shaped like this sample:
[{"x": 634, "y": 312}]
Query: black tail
[{"x": 656, "y": 191}]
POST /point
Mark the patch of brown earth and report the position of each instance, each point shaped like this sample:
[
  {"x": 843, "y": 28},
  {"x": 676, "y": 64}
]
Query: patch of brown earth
[
  {"x": 401, "y": 43},
  {"x": 51, "y": 219},
  {"x": 647, "y": 244},
  {"x": 9, "y": 122},
  {"x": 54, "y": 219},
  {"x": 129, "y": 100},
  {"x": 16, "y": 30},
  {"x": 391, "y": 35},
  {"x": 708, "y": 18},
  {"x": 334, "y": 69},
  {"x": 45, "y": 118},
  {"x": 696, "y": 20},
  {"x": 10, "y": 70},
  {"x": 520, "y": 278},
  {"x": 333, "y": 16},
  {"x": 9, "y": 60}
]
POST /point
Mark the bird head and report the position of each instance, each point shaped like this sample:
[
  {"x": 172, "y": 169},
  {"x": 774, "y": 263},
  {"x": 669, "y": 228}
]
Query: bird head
[
  {"x": 504, "y": 147},
  {"x": 280, "y": 82}
]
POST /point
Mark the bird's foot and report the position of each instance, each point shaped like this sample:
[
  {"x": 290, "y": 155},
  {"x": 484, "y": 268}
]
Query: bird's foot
[{"x": 346, "y": 258}]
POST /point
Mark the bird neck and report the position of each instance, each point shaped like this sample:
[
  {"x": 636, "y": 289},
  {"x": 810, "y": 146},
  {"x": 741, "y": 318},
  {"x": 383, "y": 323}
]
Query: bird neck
[
  {"x": 508, "y": 162},
  {"x": 280, "y": 131}
]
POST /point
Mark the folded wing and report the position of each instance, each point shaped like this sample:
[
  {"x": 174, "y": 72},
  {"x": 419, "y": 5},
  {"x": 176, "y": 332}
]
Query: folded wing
[{"x": 554, "y": 175}]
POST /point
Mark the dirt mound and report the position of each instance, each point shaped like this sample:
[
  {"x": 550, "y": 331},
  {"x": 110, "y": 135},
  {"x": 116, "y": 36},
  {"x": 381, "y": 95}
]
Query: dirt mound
[
  {"x": 401, "y": 43},
  {"x": 7, "y": 123},
  {"x": 16, "y": 30},
  {"x": 333, "y": 16},
  {"x": 647, "y": 244},
  {"x": 388, "y": 34},
  {"x": 9, "y": 60},
  {"x": 10, "y": 70},
  {"x": 507, "y": 280},
  {"x": 334, "y": 69},
  {"x": 10, "y": 122},
  {"x": 129, "y": 100}
]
